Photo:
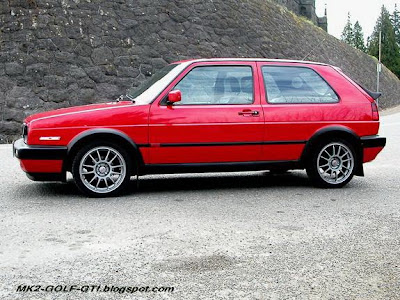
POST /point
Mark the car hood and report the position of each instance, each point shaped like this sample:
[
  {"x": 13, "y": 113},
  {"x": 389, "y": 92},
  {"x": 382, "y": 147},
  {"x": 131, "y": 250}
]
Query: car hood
[{"x": 77, "y": 110}]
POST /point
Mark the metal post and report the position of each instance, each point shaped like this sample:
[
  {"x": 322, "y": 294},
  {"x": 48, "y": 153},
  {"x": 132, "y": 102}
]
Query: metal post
[{"x": 379, "y": 66}]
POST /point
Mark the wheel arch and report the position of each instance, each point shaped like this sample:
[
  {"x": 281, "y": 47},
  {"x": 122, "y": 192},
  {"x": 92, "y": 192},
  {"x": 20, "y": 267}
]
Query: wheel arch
[
  {"x": 328, "y": 133},
  {"x": 111, "y": 135}
]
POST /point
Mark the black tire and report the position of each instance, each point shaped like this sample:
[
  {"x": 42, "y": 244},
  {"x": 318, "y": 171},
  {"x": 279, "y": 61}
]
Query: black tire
[
  {"x": 95, "y": 164},
  {"x": 332, "y": 163}
]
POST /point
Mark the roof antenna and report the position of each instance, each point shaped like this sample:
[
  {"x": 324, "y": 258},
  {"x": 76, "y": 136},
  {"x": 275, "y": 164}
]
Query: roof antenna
[{"x": 312, "y": 50}]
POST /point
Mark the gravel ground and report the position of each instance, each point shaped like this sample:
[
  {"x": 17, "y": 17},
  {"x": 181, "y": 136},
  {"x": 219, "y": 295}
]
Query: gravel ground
[{"x": 212, "y": 236}]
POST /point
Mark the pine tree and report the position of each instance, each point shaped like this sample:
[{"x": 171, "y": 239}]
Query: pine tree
[
  {"x": 348, "y": 33},
  {"x": 358, "y": 38},
  {"x": 390, "y": 49},
  {"x": 396, "y": 24}
]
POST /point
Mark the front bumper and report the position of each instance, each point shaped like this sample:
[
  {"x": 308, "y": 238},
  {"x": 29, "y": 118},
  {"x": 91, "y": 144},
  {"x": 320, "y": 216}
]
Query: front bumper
[
  {"x": 372, "y": 145},
  {"x": 41, "y": 163},
  {"x": 24, "y": 151}
]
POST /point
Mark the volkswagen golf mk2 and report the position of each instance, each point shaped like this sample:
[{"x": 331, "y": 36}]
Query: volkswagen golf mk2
[{"x": 211, "y": 115}]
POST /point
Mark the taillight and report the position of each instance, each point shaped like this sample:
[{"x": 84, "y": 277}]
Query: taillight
[{"x": 375, "y": 112}]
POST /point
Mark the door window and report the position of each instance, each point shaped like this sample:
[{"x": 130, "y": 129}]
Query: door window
[{"x": 217, "y": 85}]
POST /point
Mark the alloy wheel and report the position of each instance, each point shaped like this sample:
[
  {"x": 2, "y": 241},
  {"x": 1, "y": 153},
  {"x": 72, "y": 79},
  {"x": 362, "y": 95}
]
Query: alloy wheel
[
  {"x": 335, "y": 163},
  {"x": 102, "y": 169}
]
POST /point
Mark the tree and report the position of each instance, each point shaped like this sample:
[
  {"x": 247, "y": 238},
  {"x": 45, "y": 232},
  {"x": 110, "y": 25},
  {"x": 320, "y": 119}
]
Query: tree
[
  {"x": 347, "y": 33},
  {"x": 358, "y": 38},
  {"x": 390, "y": 49},
  {"x": 396, "y": 24}
]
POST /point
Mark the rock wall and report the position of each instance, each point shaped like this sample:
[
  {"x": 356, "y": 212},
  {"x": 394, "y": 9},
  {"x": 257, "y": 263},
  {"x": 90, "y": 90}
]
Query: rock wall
[
  {"x": 305, "y": 8},
  {"x": 58, "y": 53}
]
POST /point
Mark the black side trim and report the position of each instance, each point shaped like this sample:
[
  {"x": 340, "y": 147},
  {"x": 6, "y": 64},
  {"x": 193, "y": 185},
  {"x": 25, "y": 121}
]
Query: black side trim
[
  {"x": 24, "y": 151},
  {"x": 47, "y": 176},
  {"x": 373, "y": 141},
  {"x": 225, "y": 144},
  {"x": 220, "y": 167}
]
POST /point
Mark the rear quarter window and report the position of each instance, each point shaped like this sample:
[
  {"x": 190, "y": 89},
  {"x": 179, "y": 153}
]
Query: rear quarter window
[{"x": 296, "y": 85}]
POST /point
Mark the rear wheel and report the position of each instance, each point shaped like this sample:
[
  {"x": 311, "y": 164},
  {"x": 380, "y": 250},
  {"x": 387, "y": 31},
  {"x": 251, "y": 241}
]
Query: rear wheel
[
  {"x": 332, "y": 164},
  {"x": 102, "y": 169}
]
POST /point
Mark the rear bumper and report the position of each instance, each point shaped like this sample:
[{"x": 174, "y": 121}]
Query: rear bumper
[
  {"x": 372, "y": 145},
  {"x": 373, "y": 141},
  {"x": 41, "y": 163}
]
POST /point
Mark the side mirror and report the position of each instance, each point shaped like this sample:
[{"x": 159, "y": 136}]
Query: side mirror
[{"x": 174, "y": 96}]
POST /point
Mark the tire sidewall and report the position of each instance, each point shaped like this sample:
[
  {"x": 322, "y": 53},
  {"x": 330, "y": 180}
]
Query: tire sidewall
[{"x": 76, "y": 164}]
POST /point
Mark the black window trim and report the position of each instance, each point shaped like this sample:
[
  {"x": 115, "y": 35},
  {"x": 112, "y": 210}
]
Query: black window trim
[
  {"x": 304, "y": 67},
  {"x": 164, "y": 101}
]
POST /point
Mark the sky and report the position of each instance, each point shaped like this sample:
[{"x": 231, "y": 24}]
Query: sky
[{"x": 366, "y": 12}]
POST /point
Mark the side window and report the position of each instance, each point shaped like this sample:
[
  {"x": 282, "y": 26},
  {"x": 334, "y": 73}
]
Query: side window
[
  {"x": 296, "y": 85},
  {"x": 217, "y": 85}
]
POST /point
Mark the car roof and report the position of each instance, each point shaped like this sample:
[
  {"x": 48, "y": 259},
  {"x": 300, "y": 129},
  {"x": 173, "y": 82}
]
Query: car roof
[{"x": 189, "y": 61}]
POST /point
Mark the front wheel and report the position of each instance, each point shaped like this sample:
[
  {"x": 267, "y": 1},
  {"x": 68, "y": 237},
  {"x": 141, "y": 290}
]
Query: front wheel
[
  {"x": 332, "y": 164},
  {"x": 102, "y": 169}
]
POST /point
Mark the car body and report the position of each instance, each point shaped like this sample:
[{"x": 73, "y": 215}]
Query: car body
[{"x": 211, "y": 115}]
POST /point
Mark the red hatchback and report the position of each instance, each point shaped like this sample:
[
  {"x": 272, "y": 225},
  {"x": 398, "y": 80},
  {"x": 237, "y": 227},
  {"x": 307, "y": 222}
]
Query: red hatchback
[{"x": 211, "y": 115}]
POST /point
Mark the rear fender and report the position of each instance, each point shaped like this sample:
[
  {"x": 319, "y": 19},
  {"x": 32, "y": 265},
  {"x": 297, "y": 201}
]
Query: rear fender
[{"x": 332, "y": 132}]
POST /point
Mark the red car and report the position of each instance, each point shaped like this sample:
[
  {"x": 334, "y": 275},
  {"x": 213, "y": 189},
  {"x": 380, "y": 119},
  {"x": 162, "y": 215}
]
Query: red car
[{"x": 211, "y": 115}]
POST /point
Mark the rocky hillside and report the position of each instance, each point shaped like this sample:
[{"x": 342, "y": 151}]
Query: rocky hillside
[{"x": 57, "y": 53}]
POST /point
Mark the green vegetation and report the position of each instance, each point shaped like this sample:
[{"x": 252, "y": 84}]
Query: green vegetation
[
  {"x": 389, "y": 26},
  {"x": 358, "y": 38},
  {"x": 353, "y": 35},
  {"x": 348, "y": 32},
  {"x": 390, "y": 48}
]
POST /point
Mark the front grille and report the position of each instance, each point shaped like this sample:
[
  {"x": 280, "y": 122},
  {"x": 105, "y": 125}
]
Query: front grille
[{"x": 24, "y": 132}]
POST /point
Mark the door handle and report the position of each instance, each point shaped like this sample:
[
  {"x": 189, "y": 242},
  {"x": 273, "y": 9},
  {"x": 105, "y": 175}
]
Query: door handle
[{"x": 249, "y": 112}]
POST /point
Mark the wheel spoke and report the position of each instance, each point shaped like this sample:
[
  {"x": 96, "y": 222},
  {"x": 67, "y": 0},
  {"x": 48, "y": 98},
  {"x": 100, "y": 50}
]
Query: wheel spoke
[
  {"x": 90, "y": 155},
  {"x": 108, "y": 153},
  {"x": 345, "y": 167},
  {"x": 94, "y": 177},
  {"x": 326, "y": 151},
  {"x": 88, "y": 166},
  {"x": 324, "y": 158},
  {"x": 98, "y": 182},
  {"x": 113, "y": 159},
  {"x": 86, "y": 173},
  {"x": 112, "y": 179},
  {"x": 106, "y": 182}
]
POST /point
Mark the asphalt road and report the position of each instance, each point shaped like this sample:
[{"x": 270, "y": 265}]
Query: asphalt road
[{"x": 214, "y": 236}]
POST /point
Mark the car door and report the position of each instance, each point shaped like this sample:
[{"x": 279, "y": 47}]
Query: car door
[{"x": 219, "y": 118}]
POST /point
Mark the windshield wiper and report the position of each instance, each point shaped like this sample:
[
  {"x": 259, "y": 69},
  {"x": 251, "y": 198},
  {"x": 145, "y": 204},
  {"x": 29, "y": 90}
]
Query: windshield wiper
[
  {"x": 130, "y": 98},
  {"x": 122, "y": 97}
]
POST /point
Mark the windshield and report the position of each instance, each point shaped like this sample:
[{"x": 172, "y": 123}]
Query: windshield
[{"x": 152, "y": 87}]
